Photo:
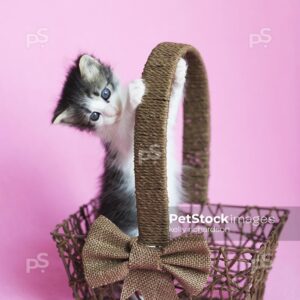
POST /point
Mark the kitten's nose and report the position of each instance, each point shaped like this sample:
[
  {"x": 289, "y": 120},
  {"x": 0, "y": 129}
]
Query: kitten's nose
[{"x": 111, "y": 111}]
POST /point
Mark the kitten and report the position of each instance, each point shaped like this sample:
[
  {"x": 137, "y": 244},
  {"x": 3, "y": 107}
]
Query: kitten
[{"x": 93, "y": 100}]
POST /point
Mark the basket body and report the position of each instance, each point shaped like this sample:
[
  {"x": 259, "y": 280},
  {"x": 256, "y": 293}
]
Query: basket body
[{"x": 241, "y": 257}]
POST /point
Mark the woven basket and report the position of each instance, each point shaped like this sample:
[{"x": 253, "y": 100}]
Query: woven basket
[{"x": 241, "y": 257}]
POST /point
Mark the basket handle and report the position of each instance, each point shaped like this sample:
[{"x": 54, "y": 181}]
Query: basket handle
[{"x": 151, "y": 137}]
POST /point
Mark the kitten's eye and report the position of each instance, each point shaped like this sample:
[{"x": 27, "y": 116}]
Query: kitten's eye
[
  {"x": 95, "y": 116},
  {"x": 105, "y": 94}
]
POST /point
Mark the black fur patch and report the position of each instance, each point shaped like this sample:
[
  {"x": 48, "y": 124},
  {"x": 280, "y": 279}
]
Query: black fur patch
[{"x": 117, "y": 202}]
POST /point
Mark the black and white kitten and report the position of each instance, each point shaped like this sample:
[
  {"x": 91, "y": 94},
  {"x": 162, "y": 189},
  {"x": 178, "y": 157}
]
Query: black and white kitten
[{"x": 93, "y": 100}]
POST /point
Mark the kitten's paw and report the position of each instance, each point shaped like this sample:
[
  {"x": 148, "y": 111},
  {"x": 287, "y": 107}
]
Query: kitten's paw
[
  {"x": 180, "y": 73},
  {"x": 136, "y": 91},
  {"x": 133, "y": 232}
]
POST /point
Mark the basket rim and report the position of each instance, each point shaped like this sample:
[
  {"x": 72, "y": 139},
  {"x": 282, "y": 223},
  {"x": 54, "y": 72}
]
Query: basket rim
[{"x": 55, "y": 233}]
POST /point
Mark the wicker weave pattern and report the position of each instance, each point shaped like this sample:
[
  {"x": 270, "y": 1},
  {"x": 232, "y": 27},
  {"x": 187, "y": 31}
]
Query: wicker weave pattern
[{"x": 241, "y": 259}]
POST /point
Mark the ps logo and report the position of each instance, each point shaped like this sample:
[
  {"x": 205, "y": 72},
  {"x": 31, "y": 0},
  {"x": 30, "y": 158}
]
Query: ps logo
[
  {"x": 153, "y": 153},
  {"x": 40, "y": 262},
  {"x": 263, "y": 37},
  {"x": 40, "y": 37},
  {"x": 263, "y": 262}
]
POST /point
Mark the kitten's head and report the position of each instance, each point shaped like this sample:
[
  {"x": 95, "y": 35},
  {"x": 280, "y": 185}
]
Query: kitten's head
[{"x": 90, "y": 96}]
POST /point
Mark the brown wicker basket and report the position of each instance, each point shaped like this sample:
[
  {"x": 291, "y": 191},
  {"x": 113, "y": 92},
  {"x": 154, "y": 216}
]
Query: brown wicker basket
[{"x": 242, "y": 256}]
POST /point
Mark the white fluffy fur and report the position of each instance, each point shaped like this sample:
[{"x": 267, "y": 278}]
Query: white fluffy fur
[
  {"x": 119, "y": 129},
  {"x": 174, "y": 184}
]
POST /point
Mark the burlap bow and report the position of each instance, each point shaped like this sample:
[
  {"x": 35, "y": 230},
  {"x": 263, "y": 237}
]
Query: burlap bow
[{"x": 109, "y": 256}]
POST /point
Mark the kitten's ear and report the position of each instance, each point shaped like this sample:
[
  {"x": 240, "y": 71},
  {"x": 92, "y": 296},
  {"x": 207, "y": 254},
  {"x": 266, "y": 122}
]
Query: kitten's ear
[
  {"x": 64, "y": 117},
  {"x": 89, "y": 67}
]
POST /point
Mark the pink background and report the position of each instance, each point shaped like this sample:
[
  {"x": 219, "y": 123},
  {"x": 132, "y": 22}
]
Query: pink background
[{"x": 47, "y": 171}]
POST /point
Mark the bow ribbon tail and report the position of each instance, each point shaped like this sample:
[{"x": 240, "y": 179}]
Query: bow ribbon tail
[
  {"x": 191, "y": 280},
  {"x": 153, "y": 285},
  {"x": 187, "y": 258}
]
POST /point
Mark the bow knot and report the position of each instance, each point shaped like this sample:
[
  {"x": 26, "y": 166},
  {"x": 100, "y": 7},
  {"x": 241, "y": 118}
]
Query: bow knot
[
  {"x": 144, "y": 257},
  {"x": 110, "y": 256}
]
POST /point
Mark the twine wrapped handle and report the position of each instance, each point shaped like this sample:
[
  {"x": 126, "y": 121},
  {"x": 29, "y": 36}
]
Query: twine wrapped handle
[
  {"x": 150, "y": 262},
  {"x": 151, "y": 130}
]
